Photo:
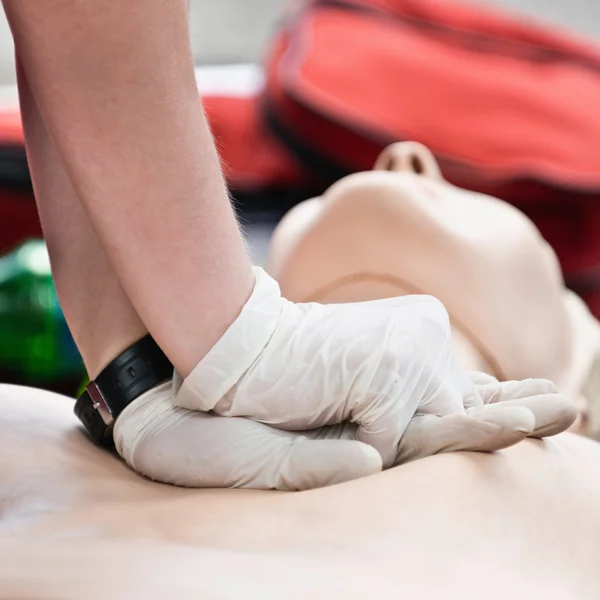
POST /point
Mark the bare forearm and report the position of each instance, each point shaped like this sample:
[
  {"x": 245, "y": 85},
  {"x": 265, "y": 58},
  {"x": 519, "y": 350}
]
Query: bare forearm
[
  {"x": 101, "y": 318},
  {"x": 116, "y": 89}
]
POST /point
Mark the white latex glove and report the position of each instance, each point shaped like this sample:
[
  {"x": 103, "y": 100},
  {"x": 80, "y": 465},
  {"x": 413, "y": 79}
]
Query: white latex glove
[
  {"x": 477, "y": 429},
  {"x": 376, "y": 364},
  {"x": 196, "y": 449}
]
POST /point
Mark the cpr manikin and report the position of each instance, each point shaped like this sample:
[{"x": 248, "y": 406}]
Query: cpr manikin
[
  {"x": 297, "y": 395},
  {"x": 76, "y": 523},
  {"x": 402, "y": 229}
]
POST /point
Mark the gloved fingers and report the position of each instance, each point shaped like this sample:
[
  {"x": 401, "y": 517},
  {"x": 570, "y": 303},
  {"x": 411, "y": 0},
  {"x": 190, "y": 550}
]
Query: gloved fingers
[
  {"x": 385, "y": 433},
  {"x": 450, "y": 400},
  {"x": 481, "y": 378},
  {"x": 384, "y": 436},
  {"x": 553, "y": 413},
  {"x": 195, "y": 449},
  {"x": 501, "y": 391},
  {"x": 509, "y": 389},
  {"x": 472, "y": 397},
  {"x": 427, "y": 435},
  {"x": 456, "y": 391},
  {"x": 309, "y": 464}
]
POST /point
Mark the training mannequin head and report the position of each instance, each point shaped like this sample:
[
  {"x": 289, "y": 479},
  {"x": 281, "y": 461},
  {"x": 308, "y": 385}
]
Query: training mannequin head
[{"x": 402, "y": 229}]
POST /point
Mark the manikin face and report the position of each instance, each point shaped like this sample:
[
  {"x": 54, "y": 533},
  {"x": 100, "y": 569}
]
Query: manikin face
[{"x": 402, "y": 229}]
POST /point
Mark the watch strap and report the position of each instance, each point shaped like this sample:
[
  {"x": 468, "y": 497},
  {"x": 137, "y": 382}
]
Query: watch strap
[{"x": 135, "y": 371}]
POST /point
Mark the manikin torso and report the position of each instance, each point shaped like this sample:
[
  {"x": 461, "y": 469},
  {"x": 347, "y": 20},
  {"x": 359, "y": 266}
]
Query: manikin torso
[{"x": 76, "y": 523}]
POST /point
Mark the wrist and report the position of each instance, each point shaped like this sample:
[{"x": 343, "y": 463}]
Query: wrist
[
  {"x": 234, "y": 353},
  {"x": 135, "y": 371}
]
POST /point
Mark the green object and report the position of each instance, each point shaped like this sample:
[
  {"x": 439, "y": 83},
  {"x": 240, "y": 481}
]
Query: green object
[
  {"x": 35, "y": 343},
  {"x": 85, "y": 382}
]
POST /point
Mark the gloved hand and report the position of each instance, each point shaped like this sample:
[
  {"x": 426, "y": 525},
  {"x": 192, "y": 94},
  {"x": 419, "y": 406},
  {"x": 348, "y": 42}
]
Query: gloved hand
[
  {"x": 197, "y": 449},
  {"x": 484, "y": 426},
  {"x": 377, "y": 364}
]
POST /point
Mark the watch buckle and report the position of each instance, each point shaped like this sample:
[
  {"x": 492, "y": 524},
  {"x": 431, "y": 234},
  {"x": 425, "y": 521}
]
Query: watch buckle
[{"x": 99, "y": 404}]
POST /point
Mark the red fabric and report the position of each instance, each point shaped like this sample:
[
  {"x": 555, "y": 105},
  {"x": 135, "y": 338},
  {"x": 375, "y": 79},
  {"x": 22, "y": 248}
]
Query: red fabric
[
  {"x": 18, "y": 218},
  {"x": 509, "y": 108},
  {"x": 253, "y": 159},
  {"x": 254, "y": 162},
  {"x": 11, "y": 129},
  {"x": 18, "y": 214},
  {"x": 463, "y": 17}
]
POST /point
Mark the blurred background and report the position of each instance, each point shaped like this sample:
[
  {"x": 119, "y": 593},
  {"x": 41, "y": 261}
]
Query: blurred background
[
  {"x": 35, "y": 347},
  {"x": 232, "y": 31}
]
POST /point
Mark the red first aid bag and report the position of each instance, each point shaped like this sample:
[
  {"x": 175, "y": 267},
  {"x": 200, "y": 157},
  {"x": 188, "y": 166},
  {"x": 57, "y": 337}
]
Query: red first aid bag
[{"x": 509, "y": 108}]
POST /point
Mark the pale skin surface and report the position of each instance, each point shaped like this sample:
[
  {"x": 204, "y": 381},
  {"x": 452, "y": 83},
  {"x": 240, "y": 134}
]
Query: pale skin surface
[
  {"x": 75, "y": 522},
  {"x": 139, "y": 155}
]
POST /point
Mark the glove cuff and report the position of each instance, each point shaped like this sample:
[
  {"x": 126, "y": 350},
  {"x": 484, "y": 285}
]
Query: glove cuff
[{"x": 236, "y": 351}]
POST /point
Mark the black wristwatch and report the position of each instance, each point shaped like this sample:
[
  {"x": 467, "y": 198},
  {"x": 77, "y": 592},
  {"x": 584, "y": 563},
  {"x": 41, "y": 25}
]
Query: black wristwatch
[{"x": 137, "y": 370}]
